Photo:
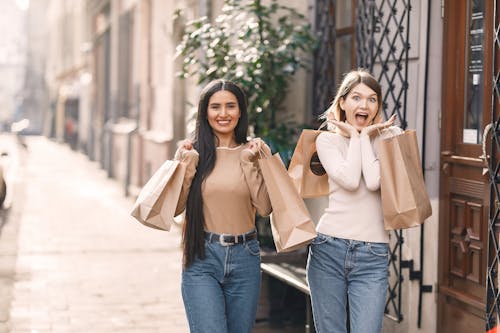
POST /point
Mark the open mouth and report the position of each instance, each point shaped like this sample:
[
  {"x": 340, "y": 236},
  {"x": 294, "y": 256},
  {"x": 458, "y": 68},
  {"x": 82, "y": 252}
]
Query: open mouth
[{"x": 361, "y": 116}]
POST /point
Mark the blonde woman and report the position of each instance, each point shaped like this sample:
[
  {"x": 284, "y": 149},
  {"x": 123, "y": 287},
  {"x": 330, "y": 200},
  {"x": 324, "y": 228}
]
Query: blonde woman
[{"x": 348, "y": 260}]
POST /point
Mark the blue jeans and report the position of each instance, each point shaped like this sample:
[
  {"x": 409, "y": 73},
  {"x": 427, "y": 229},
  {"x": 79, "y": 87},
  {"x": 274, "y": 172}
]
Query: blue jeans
[
  {"x": 221, "y": 292},
  {"x": 341, "y": 269}
]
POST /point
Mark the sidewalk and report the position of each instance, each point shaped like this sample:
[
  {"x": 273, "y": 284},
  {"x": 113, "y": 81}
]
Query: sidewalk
[{"x": 73, "y": 260}]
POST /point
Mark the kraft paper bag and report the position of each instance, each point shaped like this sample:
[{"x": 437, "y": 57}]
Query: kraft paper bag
[
  {"x": 156, "y": 203},
  {"x": 405, "y": 202},
  {"x": 291, "y": 223},
  {"x": 305, "y": 169}
]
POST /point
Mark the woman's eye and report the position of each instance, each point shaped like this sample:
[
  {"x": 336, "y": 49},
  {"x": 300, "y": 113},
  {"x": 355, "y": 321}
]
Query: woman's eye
[
  {"x": 373, "y": 100},
  {"x": 356, "y": 98}
]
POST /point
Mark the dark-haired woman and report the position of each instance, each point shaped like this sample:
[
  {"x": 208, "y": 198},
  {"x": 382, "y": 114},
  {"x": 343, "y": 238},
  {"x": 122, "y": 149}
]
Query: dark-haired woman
[{"x": 222, "y": 190}]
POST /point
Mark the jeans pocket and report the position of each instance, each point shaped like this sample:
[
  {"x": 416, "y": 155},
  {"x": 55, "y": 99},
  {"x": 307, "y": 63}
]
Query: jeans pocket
[
  {"x": 320, "y": 239},
  {"x": 253, "y": 247},
  {"x": 379, "y": 249}
]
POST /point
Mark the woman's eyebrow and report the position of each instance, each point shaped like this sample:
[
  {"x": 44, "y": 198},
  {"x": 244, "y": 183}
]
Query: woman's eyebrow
[{"x": 358, "y": 93}]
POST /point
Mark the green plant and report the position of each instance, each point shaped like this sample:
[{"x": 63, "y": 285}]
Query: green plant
[{"x": 258, "y": 46}]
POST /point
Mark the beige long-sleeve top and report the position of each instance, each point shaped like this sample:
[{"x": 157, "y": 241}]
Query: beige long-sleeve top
[
  {"x": 354, "y": 209},
  {"x": 232, "y": 193}
]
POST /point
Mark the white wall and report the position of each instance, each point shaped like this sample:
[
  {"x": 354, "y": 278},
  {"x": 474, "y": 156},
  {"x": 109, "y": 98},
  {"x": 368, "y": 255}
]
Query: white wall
[{"x": 13, "y": 50}]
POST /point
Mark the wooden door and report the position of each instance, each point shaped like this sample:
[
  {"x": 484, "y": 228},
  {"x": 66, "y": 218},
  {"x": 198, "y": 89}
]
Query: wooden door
[{"x": 464, "y": 194}]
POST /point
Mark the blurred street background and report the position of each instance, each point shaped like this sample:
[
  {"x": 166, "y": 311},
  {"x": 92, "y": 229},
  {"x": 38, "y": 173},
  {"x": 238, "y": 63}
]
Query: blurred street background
[{"x": 71, "y": 257}]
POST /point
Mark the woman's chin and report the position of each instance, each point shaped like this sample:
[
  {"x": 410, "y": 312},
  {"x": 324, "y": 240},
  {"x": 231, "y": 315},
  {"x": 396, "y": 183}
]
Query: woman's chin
[{"x": 359, "y": 127}]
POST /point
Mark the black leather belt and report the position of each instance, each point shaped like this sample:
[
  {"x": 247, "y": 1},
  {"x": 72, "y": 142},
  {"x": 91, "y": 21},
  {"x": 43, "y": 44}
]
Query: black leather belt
[{"x": 228, "y": 240}]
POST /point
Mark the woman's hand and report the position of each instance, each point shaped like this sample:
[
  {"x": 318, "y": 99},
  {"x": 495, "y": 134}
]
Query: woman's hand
[
  {"x": 185, "y": 149},
  {"x": 376, "y": 128},
  {"x": 186, "y": 144},
  {"x": 254, "y": 147},
  {"x": 345, "y": 127}
]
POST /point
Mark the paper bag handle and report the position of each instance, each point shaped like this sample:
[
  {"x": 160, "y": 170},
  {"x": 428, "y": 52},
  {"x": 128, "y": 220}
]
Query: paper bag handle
[{"x": 262, "y": 153}]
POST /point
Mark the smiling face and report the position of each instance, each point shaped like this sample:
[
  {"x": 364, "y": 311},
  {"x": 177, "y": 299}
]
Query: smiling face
[
  {"x": 361, "y": 105},
  {"x": 223, "y": 115}
]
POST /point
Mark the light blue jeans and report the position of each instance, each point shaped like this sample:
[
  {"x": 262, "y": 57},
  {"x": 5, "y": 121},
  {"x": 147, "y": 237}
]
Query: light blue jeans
[
  {"x": 341, "y": 269},
  {"x": 221, "y": 292}
]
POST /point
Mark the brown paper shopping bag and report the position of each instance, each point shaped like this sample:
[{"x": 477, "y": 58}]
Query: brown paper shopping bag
[
  {"x": 291, "y": 223},
  {"x": 156, "y": 203},
  {"x": 405, "y": 201},
  {"x": 305, "y": 169}
]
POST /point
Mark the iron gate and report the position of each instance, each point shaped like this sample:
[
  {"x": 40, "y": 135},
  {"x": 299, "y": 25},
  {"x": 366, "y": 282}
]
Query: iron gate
[
  {"x": 324, "y": 60},
  {"x": 382, "y": 46}
]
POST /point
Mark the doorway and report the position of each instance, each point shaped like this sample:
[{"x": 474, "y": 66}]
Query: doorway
[{"x": 464, "y": 194}]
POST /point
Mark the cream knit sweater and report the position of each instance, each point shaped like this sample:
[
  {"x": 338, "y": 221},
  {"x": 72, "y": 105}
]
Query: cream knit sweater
[{"x": 354, "y": 210}]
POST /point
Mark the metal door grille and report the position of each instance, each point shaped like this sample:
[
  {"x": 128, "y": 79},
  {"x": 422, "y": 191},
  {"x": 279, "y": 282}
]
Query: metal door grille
[
  {"x": 492, "y": 292},
  {"x": 382, "y": 45},
  {"x": 324, "y": 63}
]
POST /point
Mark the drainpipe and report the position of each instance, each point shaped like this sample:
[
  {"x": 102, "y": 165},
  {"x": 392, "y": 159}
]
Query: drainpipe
[{"x": 424, "y": 288}]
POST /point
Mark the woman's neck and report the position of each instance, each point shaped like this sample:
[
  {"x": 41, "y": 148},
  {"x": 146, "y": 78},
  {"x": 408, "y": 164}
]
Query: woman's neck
[{"x": 226, "y": 141}]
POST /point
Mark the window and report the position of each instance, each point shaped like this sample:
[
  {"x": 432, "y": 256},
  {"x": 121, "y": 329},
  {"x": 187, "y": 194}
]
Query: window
[{"x": 474, "y": 74}]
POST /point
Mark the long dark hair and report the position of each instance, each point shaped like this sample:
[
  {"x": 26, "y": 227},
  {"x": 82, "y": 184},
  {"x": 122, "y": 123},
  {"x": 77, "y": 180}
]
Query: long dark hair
[{"x": 193, "y": 234}]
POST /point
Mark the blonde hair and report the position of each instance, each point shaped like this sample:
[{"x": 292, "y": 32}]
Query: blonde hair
[{"x": 351, "y": 80}]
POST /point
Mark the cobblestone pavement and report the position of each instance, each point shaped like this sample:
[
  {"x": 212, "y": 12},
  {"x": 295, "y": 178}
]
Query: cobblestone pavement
[{"x": 73, "y": 260}]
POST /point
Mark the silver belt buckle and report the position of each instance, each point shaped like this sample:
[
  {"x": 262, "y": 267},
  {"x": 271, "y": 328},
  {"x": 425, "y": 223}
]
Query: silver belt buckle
[{"x": 223, "y": 242}]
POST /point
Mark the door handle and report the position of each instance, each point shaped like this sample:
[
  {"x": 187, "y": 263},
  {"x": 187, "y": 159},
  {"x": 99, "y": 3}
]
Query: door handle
[
  {"x": 486, "y": 130},
  {"x": 485, "y": 156},
  {"x": 464, "y": 246},
  {"x": 446, "y": 168}
]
